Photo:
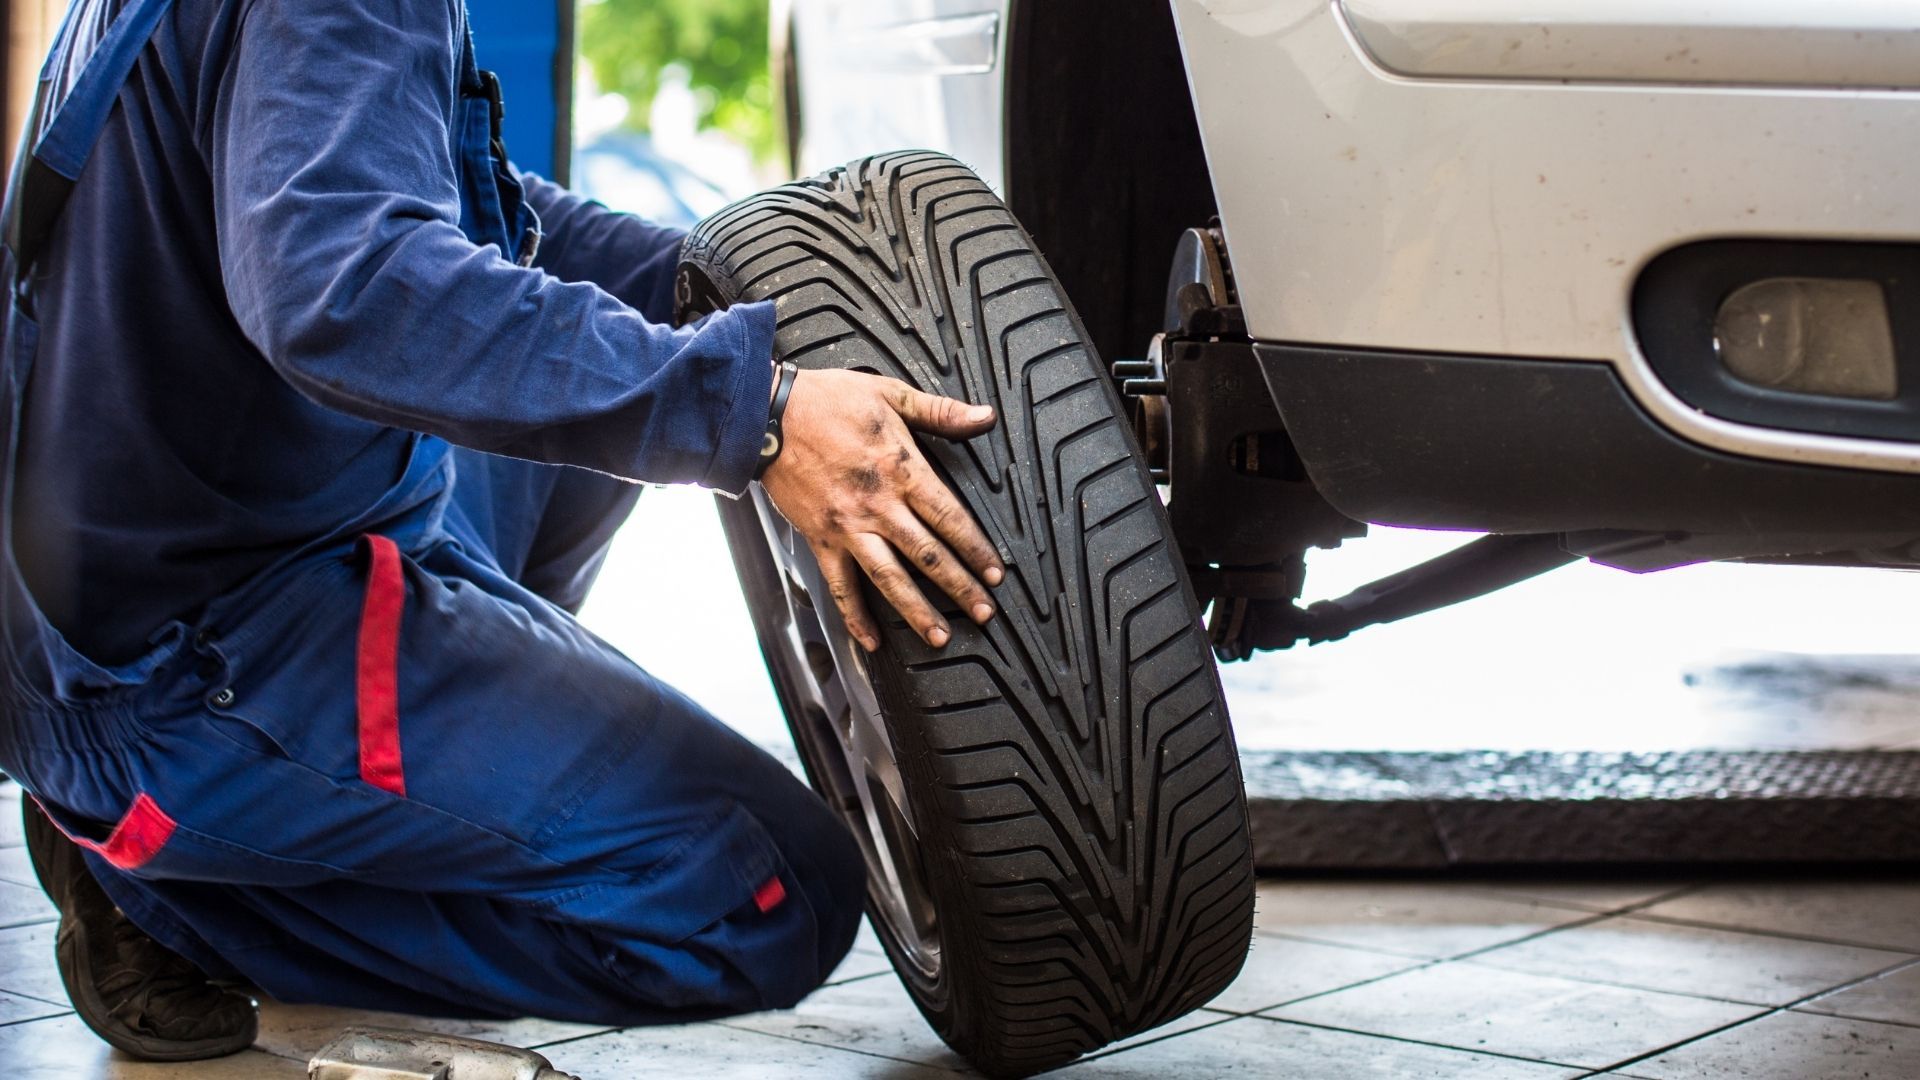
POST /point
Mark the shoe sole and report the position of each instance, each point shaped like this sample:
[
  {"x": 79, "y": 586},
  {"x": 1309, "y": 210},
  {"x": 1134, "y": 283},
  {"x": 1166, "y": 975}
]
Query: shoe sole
[
  {"x": 70, "y": 945},
  {"x": 70, "y": 952}
]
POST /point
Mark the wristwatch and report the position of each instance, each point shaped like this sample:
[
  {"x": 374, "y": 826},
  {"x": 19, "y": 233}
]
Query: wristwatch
[{"x": 772, "y": 442}]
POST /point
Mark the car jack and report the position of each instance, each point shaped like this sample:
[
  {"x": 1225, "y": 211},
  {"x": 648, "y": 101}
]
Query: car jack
[{"x": 1241, "y": 625}]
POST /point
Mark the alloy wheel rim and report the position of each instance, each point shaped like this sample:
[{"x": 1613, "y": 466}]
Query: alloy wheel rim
[{"x": 855, "y": 760}]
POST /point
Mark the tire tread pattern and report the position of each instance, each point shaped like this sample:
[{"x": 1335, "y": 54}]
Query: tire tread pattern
[{"x": 1083, "y": 790}]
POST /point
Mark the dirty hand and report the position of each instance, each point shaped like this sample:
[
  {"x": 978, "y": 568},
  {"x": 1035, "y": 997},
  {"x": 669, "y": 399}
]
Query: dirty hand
[{"x": 850, "y": 478}]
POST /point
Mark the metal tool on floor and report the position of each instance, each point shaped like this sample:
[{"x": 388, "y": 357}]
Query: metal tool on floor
[{"x": 368, "y": 1053}]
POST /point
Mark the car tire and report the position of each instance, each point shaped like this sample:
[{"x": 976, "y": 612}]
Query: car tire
[{"x": 1051, "y": 806}]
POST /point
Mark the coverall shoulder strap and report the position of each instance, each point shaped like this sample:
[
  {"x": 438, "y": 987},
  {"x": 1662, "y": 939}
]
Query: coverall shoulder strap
[
  {"x": 76, "y": 92},
  {"x": 469, "y": 72}
]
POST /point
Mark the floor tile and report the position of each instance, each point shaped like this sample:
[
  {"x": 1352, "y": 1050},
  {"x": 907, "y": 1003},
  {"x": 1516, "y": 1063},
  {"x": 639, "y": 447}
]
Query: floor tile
[
  {"x": 1868, "y": 913},
  {"x": 1179, "y": 1025},
  {"x": 296, "y": 1031},
  {"x": 1727, "y": 964},
  {"x": 27, "y": 963},
  {"x": 867, "y": 941},
  {"x": 1894, "y": 997},
  {"x": 21, "y": 904},
  {"x": 1793, "y": 1046},
  {"x": 1531, "y": 1016},
  {"x": 11, "y": 833},
  {"x": 1597, "y": 895},
  {"x": 873, "y": 1016},
  {"x": 857, "y": 965},
  {"x": 17, "y": 868},
  {"x": 1279, "y": 970},
  {"x": 713, "y": 1052},
  {"x": 1255, "y": 1047},
  {"x": 15, "y": 1008},
  {"x": 864, "y": 957},
  {"x": 1409, "y": 918},
  {"x": 63, "y": 1049}
]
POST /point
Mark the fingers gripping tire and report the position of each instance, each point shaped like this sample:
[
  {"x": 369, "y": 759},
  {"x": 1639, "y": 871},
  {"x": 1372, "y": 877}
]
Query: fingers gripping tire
[{"x": 1051, "y": 806}]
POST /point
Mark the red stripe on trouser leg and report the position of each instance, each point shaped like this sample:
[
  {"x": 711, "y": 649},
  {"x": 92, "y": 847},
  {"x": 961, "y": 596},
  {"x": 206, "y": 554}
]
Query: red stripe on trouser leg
[
  {"x": 377, "y": 670},
  {"x": 139, "y": 836},
  {"x": 768, "y": 896}
]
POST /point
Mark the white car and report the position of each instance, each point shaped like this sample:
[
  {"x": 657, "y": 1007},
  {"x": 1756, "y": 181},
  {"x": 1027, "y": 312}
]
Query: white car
[
  {"x": 1614, "y": 279},
  {"x": 1648, "y": 267}
]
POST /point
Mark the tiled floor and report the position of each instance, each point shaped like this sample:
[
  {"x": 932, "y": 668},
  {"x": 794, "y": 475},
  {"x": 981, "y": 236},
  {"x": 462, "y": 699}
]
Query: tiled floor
[{"x": 1352, "y": 978}]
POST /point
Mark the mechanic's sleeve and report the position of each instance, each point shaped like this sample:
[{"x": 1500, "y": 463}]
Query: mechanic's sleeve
[
  {"x": 624, "y": 254},
  {"x": 337, "y": 206}
]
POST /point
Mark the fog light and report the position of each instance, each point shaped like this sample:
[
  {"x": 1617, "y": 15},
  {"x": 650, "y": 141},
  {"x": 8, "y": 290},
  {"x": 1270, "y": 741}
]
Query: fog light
[{"x": 1809, "y": 336}]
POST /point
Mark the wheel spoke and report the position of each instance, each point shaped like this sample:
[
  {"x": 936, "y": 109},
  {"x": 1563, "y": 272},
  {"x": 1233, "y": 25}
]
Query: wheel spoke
[{"x": 839, "y": 689}]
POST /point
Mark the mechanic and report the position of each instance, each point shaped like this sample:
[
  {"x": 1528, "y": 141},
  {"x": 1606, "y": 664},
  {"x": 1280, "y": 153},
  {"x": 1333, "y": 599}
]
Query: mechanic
[{"x": 322, "y": 418}]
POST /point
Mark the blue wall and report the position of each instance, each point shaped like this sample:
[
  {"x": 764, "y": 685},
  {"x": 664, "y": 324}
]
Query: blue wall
[{"x": 518, "y": 40}]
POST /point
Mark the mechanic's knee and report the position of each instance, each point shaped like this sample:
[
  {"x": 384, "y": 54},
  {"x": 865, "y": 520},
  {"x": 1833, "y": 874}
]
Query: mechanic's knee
[{"x": 768, "y": 953}]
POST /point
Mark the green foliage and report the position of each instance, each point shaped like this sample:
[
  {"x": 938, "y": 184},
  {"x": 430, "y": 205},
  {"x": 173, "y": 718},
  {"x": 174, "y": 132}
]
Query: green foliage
[{"x": 721, "y": 43}]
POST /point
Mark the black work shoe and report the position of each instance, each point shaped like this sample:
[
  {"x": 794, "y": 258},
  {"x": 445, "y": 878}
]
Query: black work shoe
[{"x": 137, "y": 994}]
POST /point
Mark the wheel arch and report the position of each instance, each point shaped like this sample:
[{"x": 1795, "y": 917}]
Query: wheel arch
[{"x": 1105, "y": 202}]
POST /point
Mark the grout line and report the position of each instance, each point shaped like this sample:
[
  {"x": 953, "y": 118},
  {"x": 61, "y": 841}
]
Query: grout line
[
  {"x": 851, "y": 979},
  {"x": 1470, "y": 959},
  {"x": 1910, "y": 962},
  {"x": 67, "y": 1010},
  {"x": 1491, "y": 893},
  {"x": 834, "y": 1046},
  {"x": 1423, "y": 1042},
  {"x": 1914, "y": 1024},
  {"x": 1701, "y": 924},
  {"x": 1419, "y": 966},
  {"x": 1592, "y": 916},
  {"x": 1374, "y": 950},
  {"x": 63, "y": 1003},
  {"x": 1425, "y": 962},
  {"x": 53, "y": 918},
  {"x": 609, "y": 1032},
  {"x": 1613, "y": 984},
  {"x": 574, "y": 1038},
  {"x": 1659, "y": 899},
  {"x": 1773, "y": 1011},
  {"x": 1535, "y": 936},
  {"x": 605, "y": 1031},
  {"x": 1226, "y": 1018},
  {"x": 1613, "y": 912},
  {"x": 738, "y": 1030}
]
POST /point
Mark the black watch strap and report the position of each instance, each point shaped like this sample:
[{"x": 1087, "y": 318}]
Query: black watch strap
[{"x": 775, "y": 439}]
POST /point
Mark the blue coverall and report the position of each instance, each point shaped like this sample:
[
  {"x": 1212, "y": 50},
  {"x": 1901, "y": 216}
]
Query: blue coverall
[{"x": 321, "y": 419}]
